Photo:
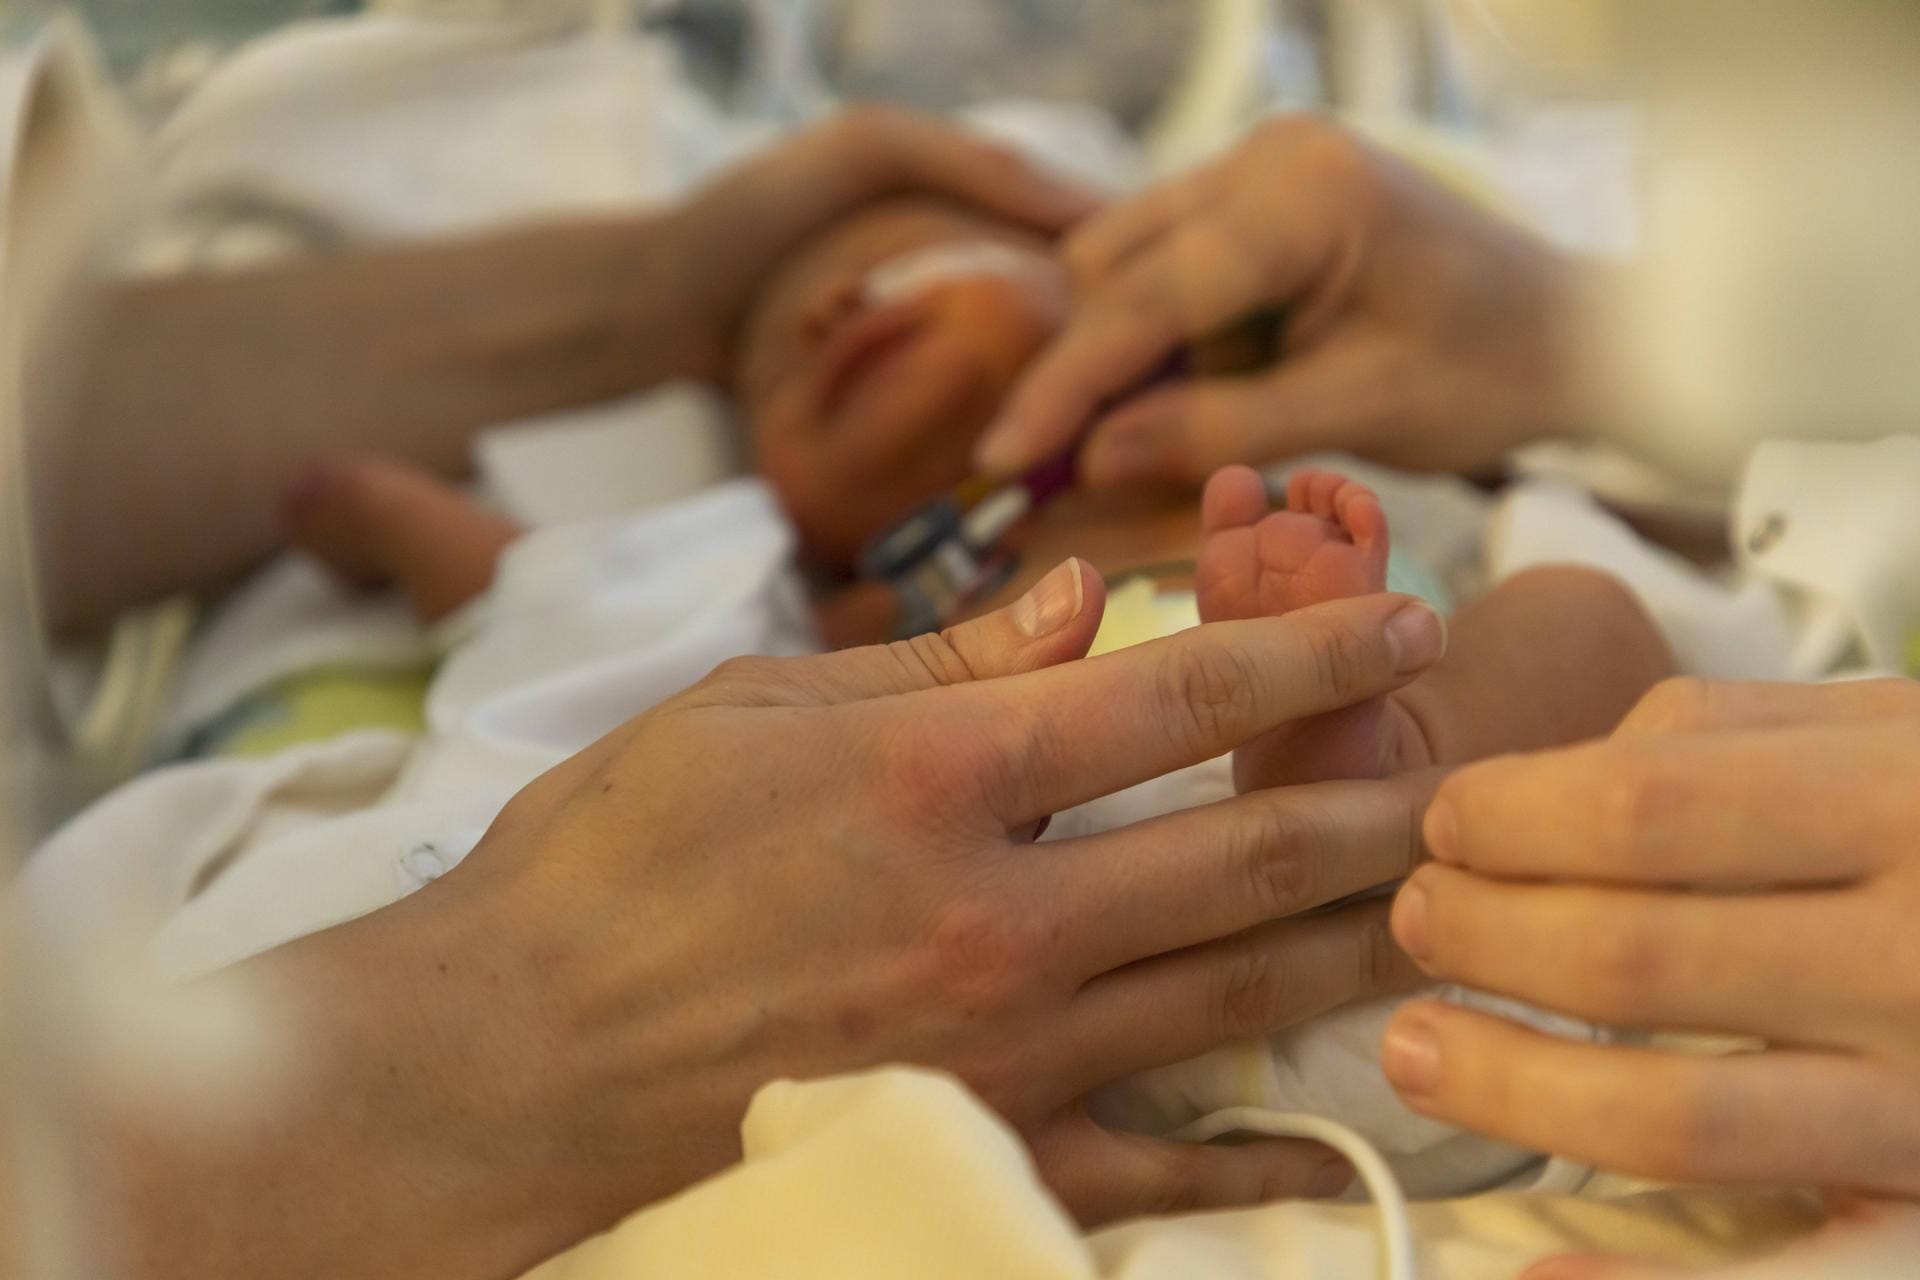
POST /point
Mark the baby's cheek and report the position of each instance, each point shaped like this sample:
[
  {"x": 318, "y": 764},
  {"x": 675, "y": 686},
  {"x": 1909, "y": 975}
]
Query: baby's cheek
[
  {"x": 789, "y": 453},
  {"x": 1002, "y": 323}
]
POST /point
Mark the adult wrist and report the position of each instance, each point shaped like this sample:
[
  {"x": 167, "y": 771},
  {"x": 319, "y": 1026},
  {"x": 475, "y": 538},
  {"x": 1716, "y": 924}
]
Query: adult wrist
[
  {"x": 382, "y": 1143},
  {"x": 453, "y": 1074}
]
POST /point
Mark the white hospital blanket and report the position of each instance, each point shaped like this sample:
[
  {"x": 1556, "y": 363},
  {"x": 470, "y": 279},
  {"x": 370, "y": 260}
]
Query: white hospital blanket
[
  {"x": 588, "y": 627},
  {"x": 901, "y": 1173}
]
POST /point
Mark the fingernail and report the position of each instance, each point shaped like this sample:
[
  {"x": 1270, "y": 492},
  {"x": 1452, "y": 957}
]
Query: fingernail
[
  {"x": 1410, "y": 927},
  {"x": 1442, "y": 832},
  {"x": 1056, "y": 601},
  {"x": 1330, "y": 1180},
  {"x": 1410, "y": 1056},
  {"x": 1419, "y": 637}
]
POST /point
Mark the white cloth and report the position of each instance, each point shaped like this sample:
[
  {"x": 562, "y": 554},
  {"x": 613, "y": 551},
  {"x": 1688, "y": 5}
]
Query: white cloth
[
  {"x": 588, "y": 627},
  {"x": 1718, "y": 626},
  {"x": 1837, "y": 528},
  {"x": 375, "y": 127},
  {"x": 1827, "y": 580},
  {"x": 901, "y": 1173}
]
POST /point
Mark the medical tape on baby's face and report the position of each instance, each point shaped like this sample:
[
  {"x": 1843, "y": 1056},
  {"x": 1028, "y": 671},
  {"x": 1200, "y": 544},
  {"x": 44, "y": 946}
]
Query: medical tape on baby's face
[{"x": 913, "y": 274}]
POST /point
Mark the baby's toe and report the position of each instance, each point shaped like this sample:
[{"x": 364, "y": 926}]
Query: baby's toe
[
  {"x": 1235, "y": 498},
  {"x": 1358, "y": 510}
]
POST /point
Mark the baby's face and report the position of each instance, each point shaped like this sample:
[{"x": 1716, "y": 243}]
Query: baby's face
[{"x": 878, "y": 355}]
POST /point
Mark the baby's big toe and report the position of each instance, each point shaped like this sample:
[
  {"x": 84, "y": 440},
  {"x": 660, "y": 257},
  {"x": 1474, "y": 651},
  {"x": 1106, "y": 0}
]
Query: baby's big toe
[{"x": 1235, "y": 497}]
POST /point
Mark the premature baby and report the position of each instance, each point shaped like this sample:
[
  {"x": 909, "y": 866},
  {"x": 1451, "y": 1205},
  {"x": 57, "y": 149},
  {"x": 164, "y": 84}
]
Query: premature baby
[{"x": 869, "y": 367}]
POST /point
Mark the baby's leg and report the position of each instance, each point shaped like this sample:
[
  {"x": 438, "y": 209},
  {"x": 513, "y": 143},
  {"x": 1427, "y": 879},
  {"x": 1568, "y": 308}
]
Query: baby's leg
[
  {"x": 1550, "y": 657},
  {"x": 377, "y": 524},
  {"x": 1330, "y": 543}
]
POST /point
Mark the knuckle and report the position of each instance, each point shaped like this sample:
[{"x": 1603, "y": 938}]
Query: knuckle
[
  {"x": 1178, "y": 1181},
  {"x": 1251, "y": 990},
  {"x": 984, "y": 952},
  {"x": 1678, "y": 705},
  {"x": 1003, "y": 1076},
  {"x": 1638, "y": 800},
  {"x": 1279, "y": 847},
  {"x": 1627, "y": 964},
  {"x": 1327, "y": 153},
  {"x": 932, "y": 768},
  {"x": 1337, "y": 661},
  {"x": 1708, "y": 1126},
  {"x": 932, "y": 659},
  {"x": 1900, "y": 698},
  {"x": 1210, "y": 689},
  {"x": 741, "y": 675}
]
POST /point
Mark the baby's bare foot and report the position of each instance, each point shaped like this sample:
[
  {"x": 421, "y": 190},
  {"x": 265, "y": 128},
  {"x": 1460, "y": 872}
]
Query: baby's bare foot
[
  {"x": 377, "y": 524},
  {"x": 1330, "y": 543}
]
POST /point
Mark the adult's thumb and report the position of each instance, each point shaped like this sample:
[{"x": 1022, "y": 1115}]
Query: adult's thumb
[{"x": 1053, "y": 623}]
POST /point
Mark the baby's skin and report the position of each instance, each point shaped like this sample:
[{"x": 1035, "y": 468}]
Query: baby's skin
[{"x": 1329, "y": 542}]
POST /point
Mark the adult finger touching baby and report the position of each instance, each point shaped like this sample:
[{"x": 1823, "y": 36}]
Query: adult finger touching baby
[
  {"x": 1738, "y": 860},
  {"x": 1052, "y": 623}
]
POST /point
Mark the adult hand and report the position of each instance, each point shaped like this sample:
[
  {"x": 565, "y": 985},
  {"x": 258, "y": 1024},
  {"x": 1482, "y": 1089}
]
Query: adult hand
[
  {"x": 1737, "y": 859},
  {"x": 736, "y": 231},
  {"x": 1422, "y": 330},
  {"x": 804, "y": 868}
]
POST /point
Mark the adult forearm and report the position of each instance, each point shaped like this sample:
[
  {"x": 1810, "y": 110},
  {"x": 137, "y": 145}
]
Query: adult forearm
[
  {"x": 380, "y": 1139},
  {"x": 191, "y": 402},
  {"x": 188, "y": 404}
]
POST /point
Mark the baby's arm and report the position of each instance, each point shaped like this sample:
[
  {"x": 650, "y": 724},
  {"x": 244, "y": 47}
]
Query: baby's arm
[
  {"x": 1552, "y": 656},
  {"x": 377, "y": 524}
]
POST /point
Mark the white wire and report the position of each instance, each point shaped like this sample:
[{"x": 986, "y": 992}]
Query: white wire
[{"x": 1395, "y": 1228}]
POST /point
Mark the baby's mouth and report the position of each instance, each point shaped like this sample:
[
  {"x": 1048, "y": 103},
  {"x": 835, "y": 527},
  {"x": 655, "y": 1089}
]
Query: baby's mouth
[{"x": 861, "y": 347}]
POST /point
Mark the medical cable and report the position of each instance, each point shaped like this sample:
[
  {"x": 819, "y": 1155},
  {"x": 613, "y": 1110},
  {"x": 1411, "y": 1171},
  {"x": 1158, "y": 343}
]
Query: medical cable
[{"x": 1394, "y": 1227}]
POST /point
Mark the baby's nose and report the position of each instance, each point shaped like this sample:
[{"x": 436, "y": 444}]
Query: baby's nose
[{"x": 831, "y": 309}]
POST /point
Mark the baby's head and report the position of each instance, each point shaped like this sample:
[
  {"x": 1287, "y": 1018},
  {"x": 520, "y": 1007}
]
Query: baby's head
[{"x": 879, "y": 353}]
